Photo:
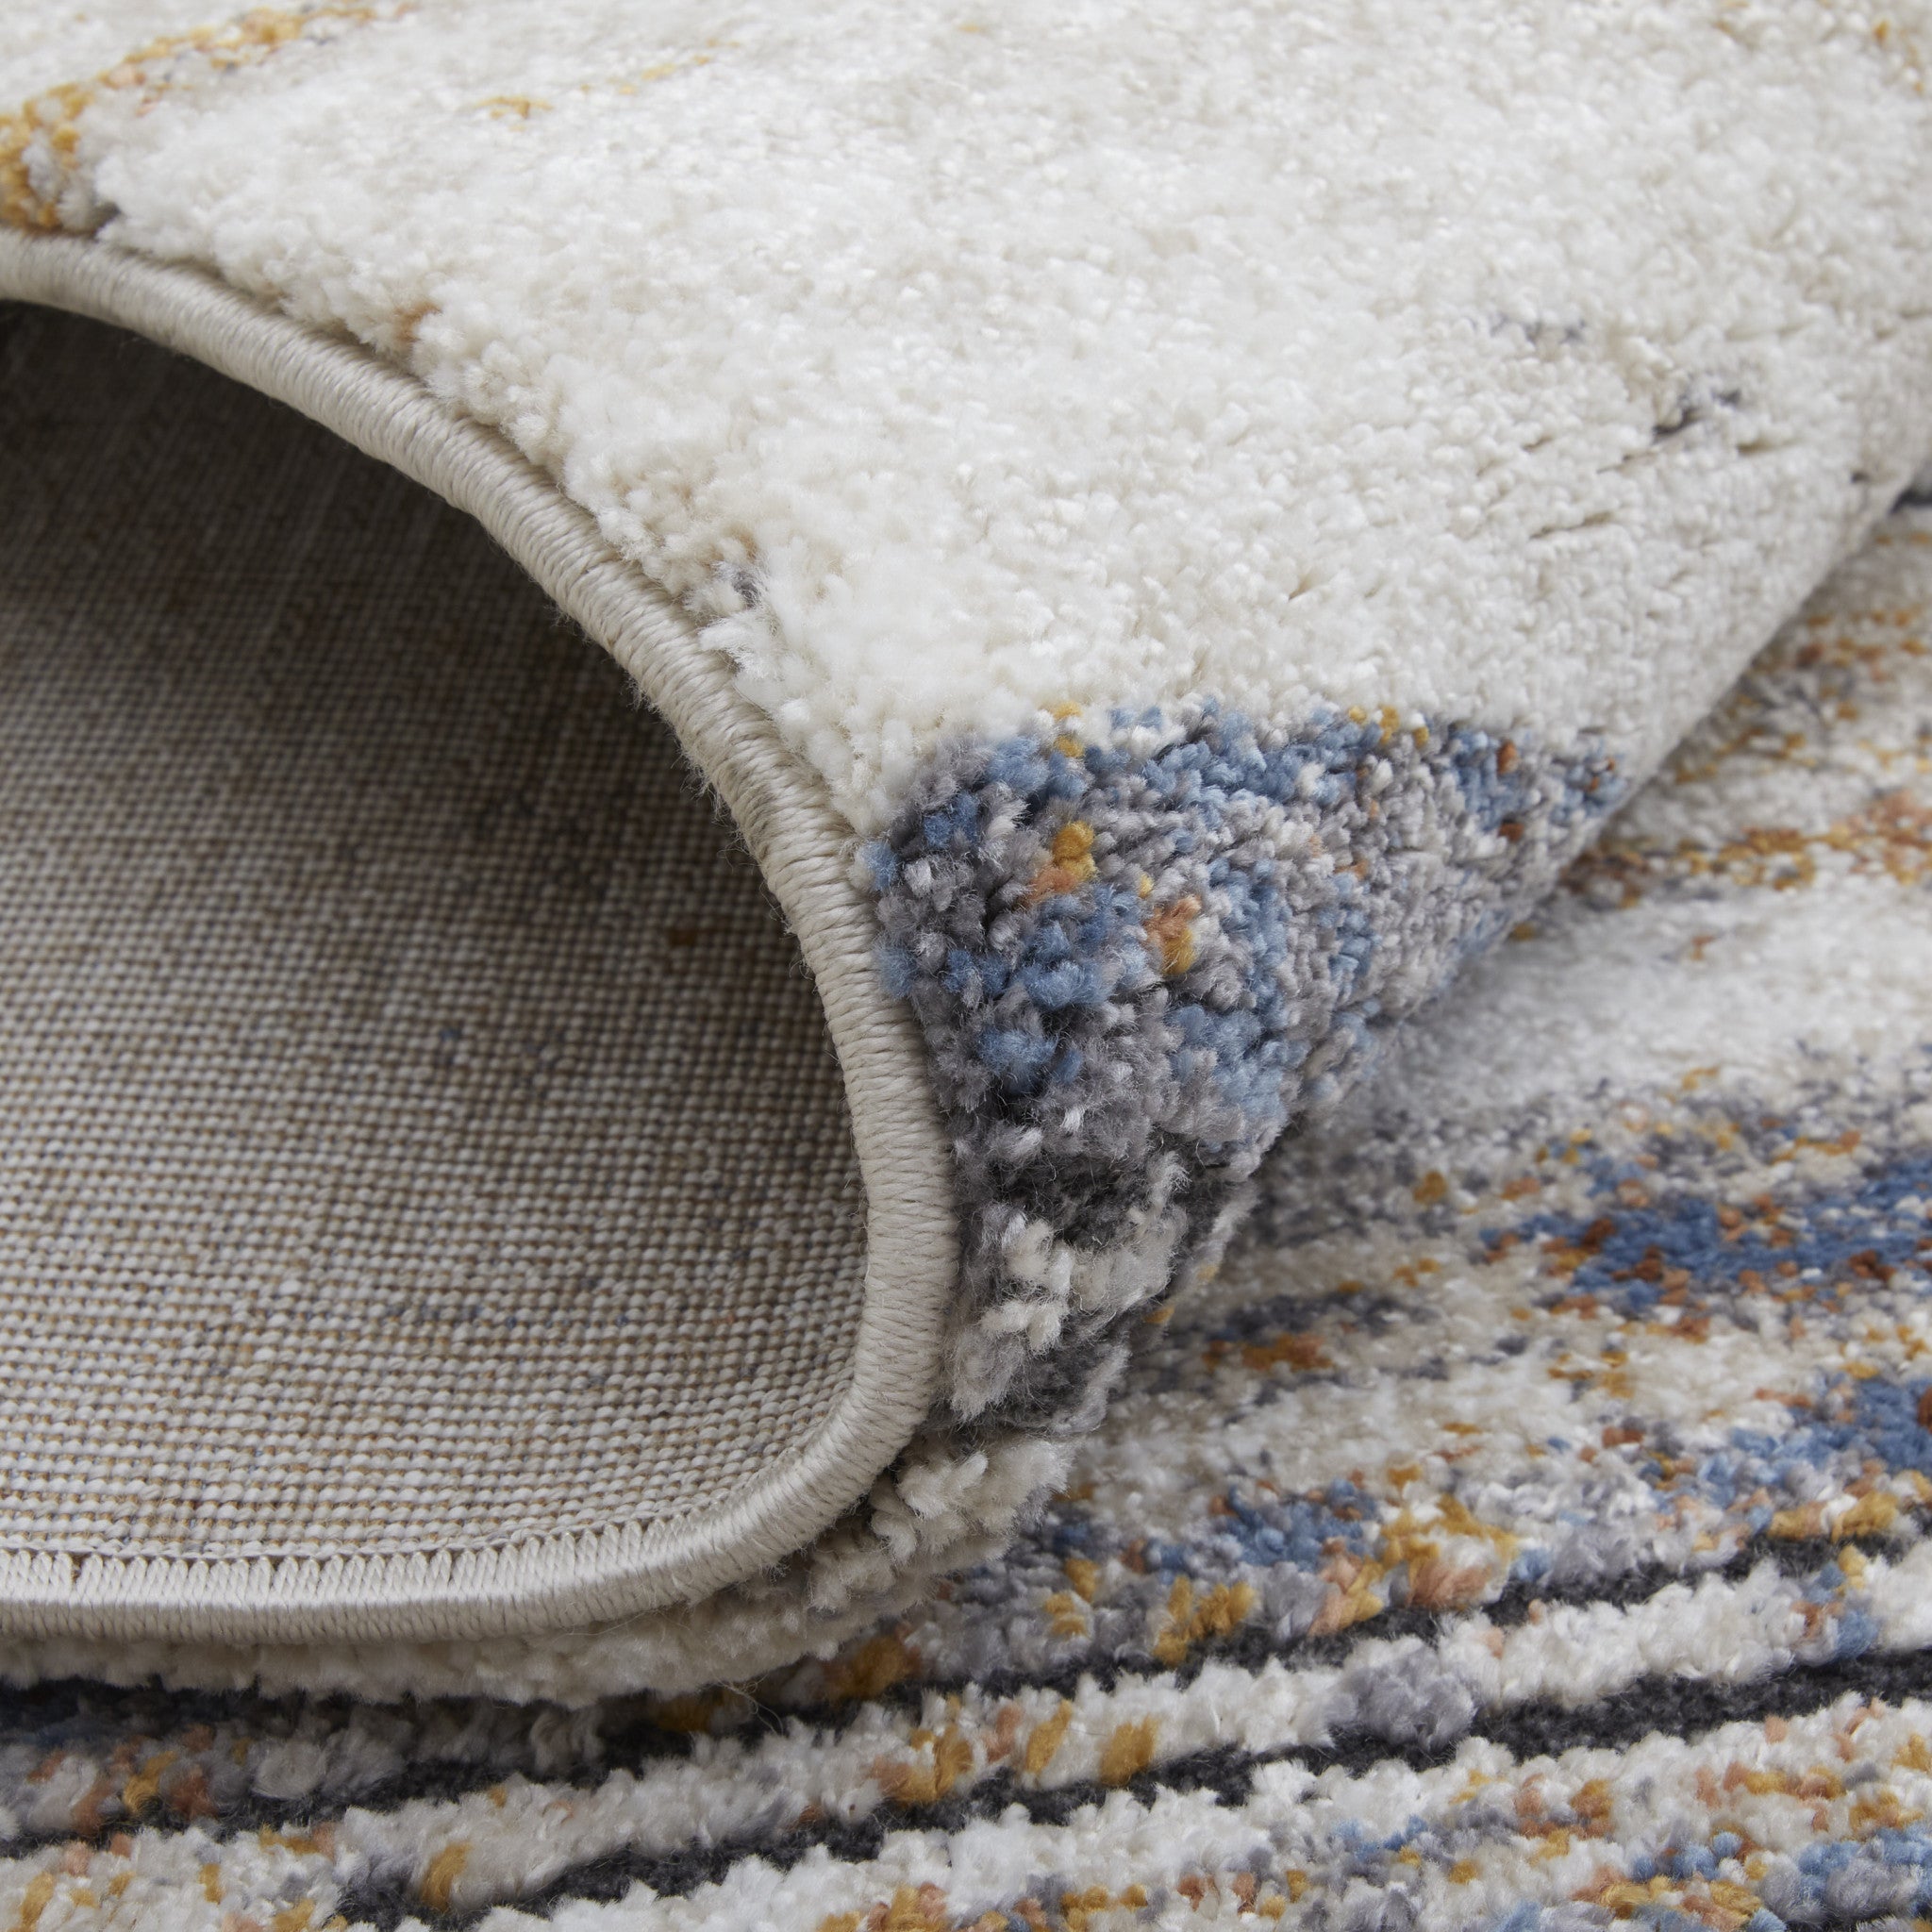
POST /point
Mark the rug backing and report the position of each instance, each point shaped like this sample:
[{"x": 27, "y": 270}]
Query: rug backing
[{"x": 417, "y": 1131}]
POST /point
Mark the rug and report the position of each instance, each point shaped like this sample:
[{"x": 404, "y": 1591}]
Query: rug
[
  {"x": 1166, "y": 528},
  {"x": 1239, "y": 1234},
  {"x": 1526, "y": 1528}
]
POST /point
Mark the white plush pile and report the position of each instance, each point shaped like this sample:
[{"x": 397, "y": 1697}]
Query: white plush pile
[{"x": 1527, "y": 364}]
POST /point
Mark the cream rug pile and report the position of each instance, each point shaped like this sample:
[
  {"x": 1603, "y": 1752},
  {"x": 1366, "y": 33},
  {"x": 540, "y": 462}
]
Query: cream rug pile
[{"x": 1171, "y": 532}]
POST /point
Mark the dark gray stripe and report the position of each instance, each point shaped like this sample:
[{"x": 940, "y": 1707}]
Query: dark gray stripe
[
  {"x": 1675, "y": 1707},
  {"x": 94, "y": 1718}
]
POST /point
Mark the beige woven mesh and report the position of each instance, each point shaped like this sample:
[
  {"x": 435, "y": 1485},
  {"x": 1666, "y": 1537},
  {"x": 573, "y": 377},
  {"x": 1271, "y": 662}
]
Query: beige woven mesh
[{"x": 417, "y": 1131}]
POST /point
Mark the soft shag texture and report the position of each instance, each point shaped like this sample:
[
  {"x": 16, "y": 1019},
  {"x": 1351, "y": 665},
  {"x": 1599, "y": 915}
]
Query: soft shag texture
[
  {"x": 1138, "y": 959},
  {"x": 1201, "y": 509},
  {"x": 960, "y": 363},
  {"x": 1528, "y": 1528}
]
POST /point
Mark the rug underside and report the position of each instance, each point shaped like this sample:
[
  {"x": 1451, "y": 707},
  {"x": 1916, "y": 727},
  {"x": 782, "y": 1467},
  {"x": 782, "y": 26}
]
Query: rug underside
[{"x": 420, "y": 1133}]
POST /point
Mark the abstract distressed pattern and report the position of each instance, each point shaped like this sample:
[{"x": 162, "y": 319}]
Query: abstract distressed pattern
[
  {"x": 1138, "y": 954},
  {"x": 1525, "y": 1531},
  {"x": 44, "y": 152}
]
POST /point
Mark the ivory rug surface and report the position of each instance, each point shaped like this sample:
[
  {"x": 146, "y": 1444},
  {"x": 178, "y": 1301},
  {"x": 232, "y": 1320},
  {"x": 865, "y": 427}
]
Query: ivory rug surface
[{"x": 914, "y": 1341}]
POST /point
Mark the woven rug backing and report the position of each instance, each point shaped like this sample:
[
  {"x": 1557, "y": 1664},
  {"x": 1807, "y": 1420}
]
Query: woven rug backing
[{"x": 417, "y": 1131}]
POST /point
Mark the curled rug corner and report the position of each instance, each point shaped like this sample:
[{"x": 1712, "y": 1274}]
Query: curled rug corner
[{"x": 1166, "y": 532}]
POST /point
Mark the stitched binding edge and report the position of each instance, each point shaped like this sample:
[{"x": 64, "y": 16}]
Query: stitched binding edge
[{"x": 787, "y": 820}]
